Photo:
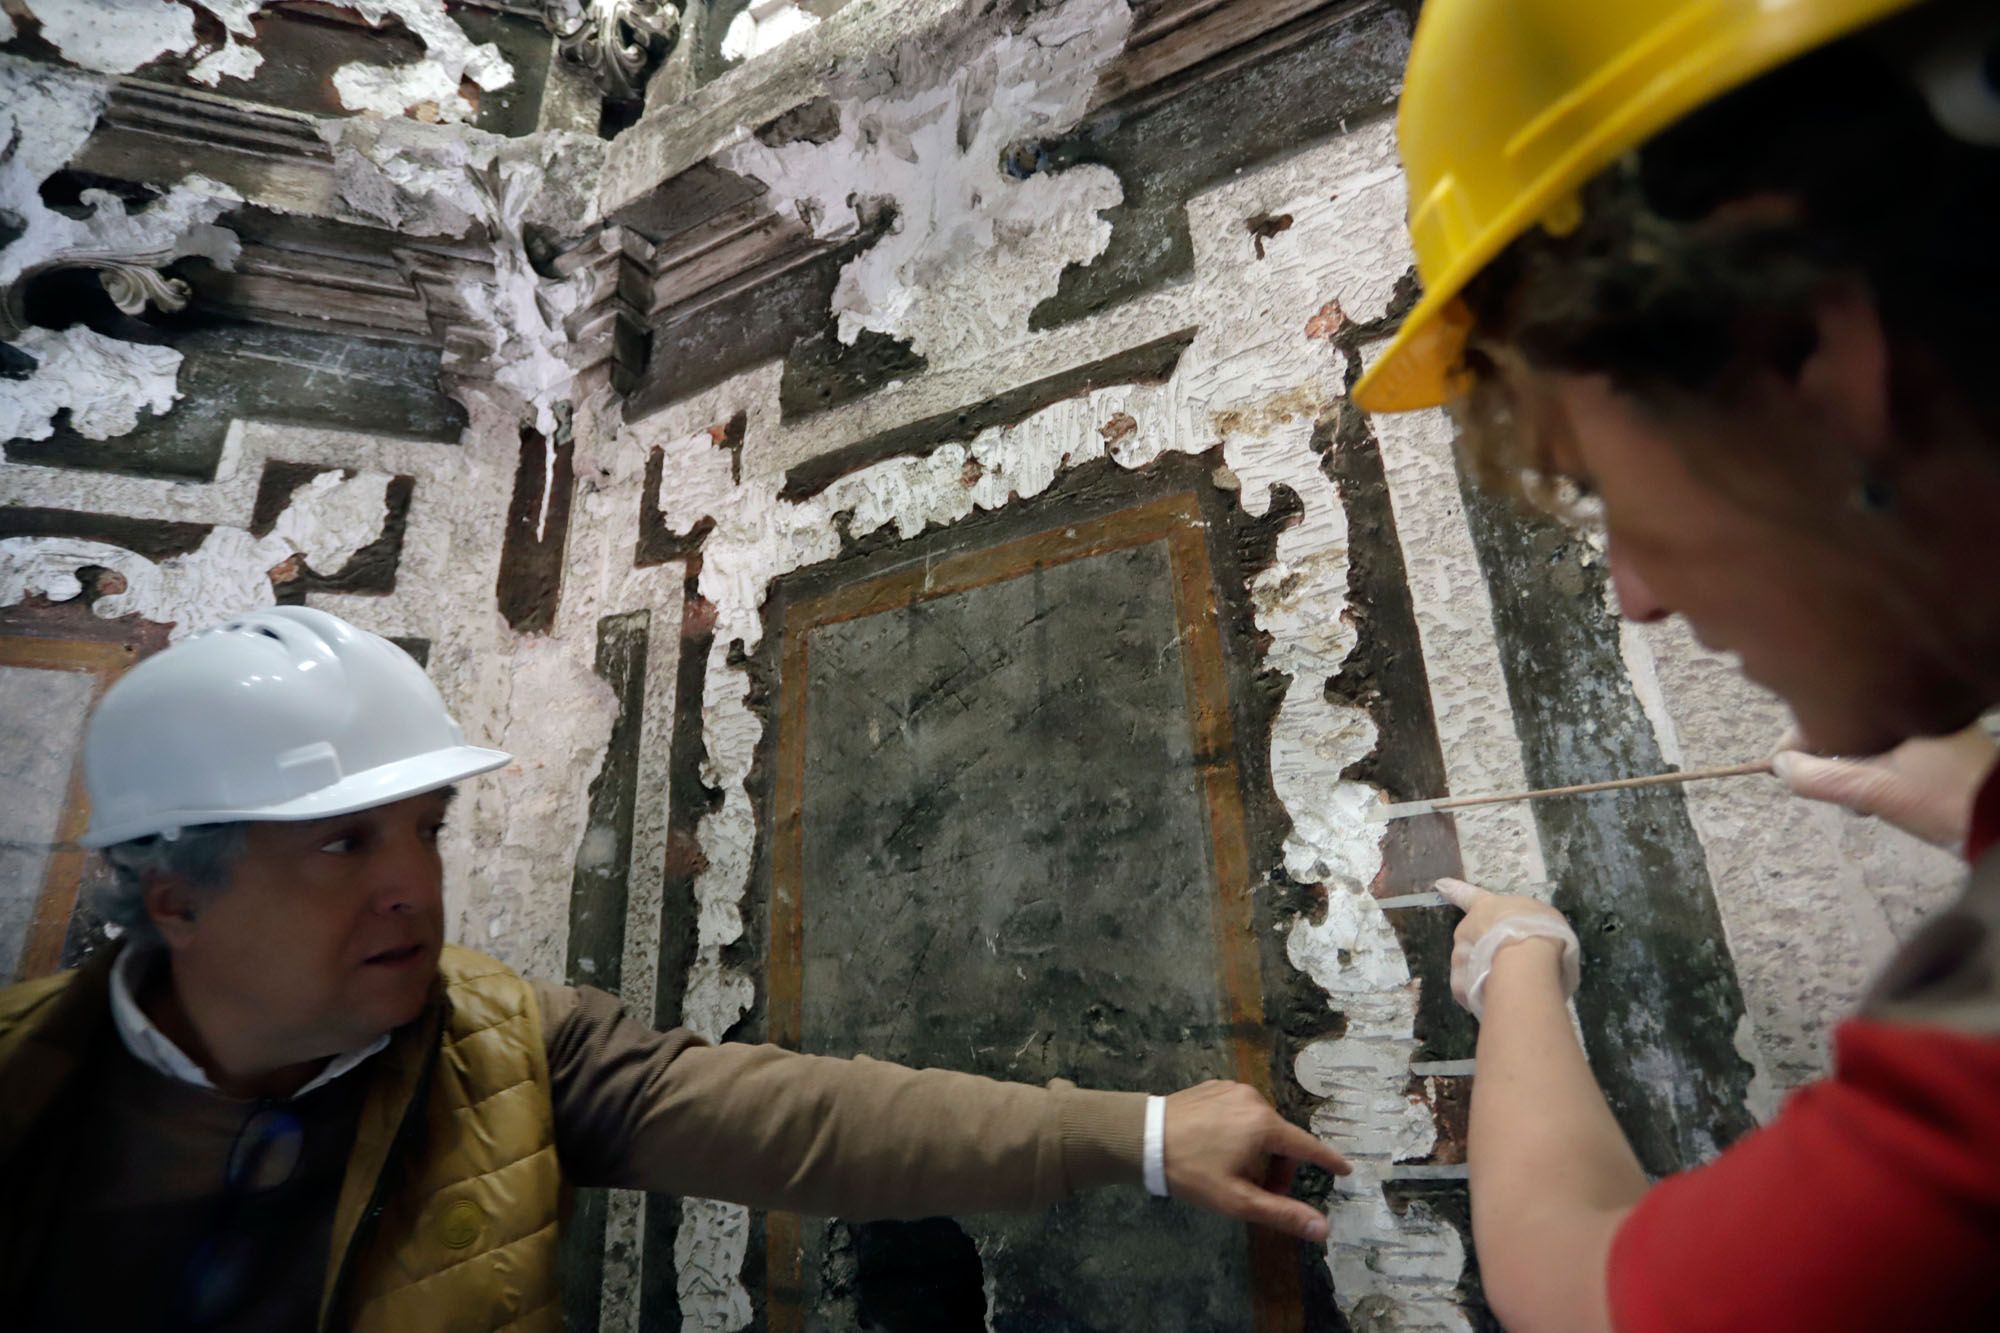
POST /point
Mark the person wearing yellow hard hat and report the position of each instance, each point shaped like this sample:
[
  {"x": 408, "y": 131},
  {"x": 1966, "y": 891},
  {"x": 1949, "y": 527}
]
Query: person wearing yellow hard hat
[{"x": 1728, "y": 273}]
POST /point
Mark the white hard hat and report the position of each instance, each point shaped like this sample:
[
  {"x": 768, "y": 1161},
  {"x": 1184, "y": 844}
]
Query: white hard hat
[{"x": 283, "y": 714}]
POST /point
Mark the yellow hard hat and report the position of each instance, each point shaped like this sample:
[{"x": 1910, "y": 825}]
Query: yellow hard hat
[{"x": 1510, "y": 106}]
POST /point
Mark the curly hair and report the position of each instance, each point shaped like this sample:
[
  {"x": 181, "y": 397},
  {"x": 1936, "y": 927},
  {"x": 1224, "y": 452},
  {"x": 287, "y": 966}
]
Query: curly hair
[{"x": 1700, "y": 256}]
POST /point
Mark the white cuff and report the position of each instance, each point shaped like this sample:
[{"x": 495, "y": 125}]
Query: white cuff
[{"x": 1154, "y": 1154}]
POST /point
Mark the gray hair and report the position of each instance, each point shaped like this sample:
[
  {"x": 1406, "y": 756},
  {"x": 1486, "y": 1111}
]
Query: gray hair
[{"x": 203, "y": 855}]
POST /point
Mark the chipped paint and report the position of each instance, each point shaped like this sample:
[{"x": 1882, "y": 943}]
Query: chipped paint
[{"x": 114, "y": 36}]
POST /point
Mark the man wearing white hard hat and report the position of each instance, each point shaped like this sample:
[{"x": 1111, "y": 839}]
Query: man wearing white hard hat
[{"x": 285, "y": 1102}]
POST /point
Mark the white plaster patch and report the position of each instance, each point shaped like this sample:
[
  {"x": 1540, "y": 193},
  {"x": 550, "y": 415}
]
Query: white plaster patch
[
  {"x": 709, "y": 1247},
  {"x": 764, "y": 26},
  {"x": 102, "y": 383},
  {"x": 46, "y": 113},
  {"x": 972, "y": 250},
  {"x": 232, "y": 60},
  {"x": 120, "y": 36},
  {"x": 417, "y": 178},
  {"x": 1807, "y": 892},
  {"x": 114, "y": 36}
]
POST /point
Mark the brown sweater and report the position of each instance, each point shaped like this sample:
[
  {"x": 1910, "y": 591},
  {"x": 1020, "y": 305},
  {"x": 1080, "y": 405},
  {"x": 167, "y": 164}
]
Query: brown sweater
[{"x": 661, "y": 1111}]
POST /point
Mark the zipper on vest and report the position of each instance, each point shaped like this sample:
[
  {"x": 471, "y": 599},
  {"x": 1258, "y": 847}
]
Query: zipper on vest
[{"x": 398, "y": 1145}]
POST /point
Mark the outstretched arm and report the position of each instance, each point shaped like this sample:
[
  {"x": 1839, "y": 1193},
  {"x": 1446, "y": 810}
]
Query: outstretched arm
[{"x": 865, "y": 1139}]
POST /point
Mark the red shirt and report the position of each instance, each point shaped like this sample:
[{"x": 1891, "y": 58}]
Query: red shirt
[{"x": 1872, "y": 1201}]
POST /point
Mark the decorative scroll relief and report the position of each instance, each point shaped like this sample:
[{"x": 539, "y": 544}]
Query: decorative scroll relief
[{"x": 620, "y": 42}]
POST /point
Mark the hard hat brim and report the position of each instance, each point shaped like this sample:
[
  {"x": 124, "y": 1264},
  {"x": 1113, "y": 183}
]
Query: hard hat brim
[
  {"x": 359, "y": 791},
  {"x": 1423, "y": 365}
]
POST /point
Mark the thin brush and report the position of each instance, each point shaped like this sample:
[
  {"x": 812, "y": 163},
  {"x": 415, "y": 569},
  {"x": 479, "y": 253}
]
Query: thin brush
[{"x": 1384, "y": 813}]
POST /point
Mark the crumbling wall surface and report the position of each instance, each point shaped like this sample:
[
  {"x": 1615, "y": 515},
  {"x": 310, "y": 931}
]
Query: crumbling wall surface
[
  {"x": 123, "y": 36},
  {"x": 594, "y": 594},
  {"x": 1254, "y": 380}
]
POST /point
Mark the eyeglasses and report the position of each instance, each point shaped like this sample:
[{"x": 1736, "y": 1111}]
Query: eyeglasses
[{"x": 264, "y": 1155}]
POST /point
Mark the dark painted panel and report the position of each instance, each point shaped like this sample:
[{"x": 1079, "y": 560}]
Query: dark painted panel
[
  {"x": 156, "y": 539},
  {"x": 531, "y": 552},
  {"x": 599, "y": 892},
  {"x": 1074, "y": 936},
  {"x": 260, "y": 372},
  {"x": 1168, "y": 144},
  {"x": 822, "y": 371},
  {"x": 1660, "y": 1002}
]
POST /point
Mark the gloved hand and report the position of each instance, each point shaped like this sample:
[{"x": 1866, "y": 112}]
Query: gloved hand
[
  {"x": 1925, "y": 787},
  {"x": 1492, "y": 922}
]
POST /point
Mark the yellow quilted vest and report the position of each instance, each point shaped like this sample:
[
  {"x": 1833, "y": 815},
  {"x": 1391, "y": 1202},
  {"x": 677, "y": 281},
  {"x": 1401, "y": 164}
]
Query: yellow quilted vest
[{"x": 448, "y": 1215}]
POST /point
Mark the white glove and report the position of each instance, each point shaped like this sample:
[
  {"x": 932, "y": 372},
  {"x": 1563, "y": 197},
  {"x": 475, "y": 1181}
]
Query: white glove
[
  {"x": 1492, "y": 922},
  {"x": 1924, "y": 787}
]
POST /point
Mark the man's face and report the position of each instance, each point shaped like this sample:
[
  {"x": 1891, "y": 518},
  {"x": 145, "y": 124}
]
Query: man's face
[
  {"x": 1815, "y": 613},
  {"x": 328, "y": 932}
]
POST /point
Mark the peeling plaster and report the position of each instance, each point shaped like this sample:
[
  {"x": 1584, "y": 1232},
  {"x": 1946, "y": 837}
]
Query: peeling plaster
[
  {"x": 45, "y": 116},
  {"x": 431, "y": 83},
  {"x": 972, "y": 250},
  {"x": 418, "y": 179},
  {"x": 102, "y": 383},
  {"x": 114, "y": 36},
  {"x": 121, "y": 36},
  {"x": 46, "y": 113},
  {"x": 1255, "y": 381},
  {"x": 764, "y": 26},
  {"x": 329, "y": 519}
]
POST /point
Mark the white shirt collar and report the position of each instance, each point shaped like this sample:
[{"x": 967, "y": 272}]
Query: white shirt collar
[{"x": 151, "y": 1047}]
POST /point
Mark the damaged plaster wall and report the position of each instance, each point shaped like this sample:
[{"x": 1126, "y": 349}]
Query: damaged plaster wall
[
  {"x": 122, "y": 36},
  {"x": 104, "y": 384},
  {"x": 972, "y": 250},
  {"x": 1285, "y": 256},
  {"x": 1254, "y": 380}
]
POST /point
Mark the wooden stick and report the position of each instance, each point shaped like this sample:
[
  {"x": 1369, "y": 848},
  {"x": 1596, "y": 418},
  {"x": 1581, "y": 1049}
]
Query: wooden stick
[{"x": 1409, "y": 808}]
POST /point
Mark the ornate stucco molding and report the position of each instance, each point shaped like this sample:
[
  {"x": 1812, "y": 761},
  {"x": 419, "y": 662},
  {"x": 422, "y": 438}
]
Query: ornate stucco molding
[{"x": 620, "y": 42}]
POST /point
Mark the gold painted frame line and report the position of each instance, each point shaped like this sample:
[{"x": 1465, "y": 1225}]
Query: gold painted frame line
[{"x": 1177, "y": 520}]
